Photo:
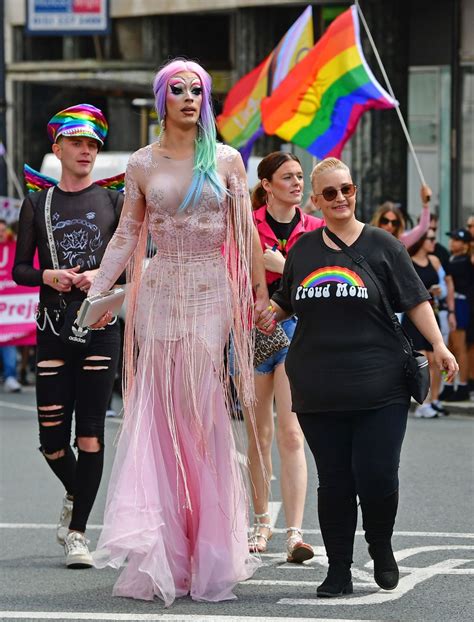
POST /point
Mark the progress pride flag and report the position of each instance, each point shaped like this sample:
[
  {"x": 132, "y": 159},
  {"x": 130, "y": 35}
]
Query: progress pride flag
[{"x": 17, "y": 304}]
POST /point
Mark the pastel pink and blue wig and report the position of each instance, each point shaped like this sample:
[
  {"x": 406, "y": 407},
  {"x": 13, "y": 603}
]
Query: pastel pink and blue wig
[{"x": 205, "y": 158}]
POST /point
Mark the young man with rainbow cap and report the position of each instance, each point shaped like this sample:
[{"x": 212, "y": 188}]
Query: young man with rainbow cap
[{"x": 76, "y": 218}]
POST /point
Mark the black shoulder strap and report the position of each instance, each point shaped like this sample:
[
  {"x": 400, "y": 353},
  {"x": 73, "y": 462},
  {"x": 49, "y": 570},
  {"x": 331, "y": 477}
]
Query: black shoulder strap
[{"x": 361, "y": 261}]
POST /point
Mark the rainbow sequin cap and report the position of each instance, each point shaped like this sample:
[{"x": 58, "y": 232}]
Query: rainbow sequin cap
[{"x": 80, "y": 120}]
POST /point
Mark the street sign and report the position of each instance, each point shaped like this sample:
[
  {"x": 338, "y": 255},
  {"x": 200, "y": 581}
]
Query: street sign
[{"x": 67, "y": 17}]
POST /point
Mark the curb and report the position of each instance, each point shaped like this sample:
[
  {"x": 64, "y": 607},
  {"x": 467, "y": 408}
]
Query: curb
[{"x": 454, "y": 408}]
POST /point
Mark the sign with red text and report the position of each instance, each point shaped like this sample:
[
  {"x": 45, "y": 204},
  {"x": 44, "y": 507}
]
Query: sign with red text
[
  {"x": 67, "y": 17},
  {"x": 17, "y": 304}
]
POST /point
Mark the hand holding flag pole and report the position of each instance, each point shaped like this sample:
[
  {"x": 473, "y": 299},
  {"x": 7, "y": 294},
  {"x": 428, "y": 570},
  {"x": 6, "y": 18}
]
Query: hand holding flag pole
[{"x": 390, "y": 90}]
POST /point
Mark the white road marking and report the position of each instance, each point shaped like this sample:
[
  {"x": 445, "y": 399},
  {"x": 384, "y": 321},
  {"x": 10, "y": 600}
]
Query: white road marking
[
  {"x": 404, "y": 553},
  {"x": 18, "y": 406},
  {"x": 66, "y": 615},
  {"x": 404, "y": 534},
  {"x": 406, "y": 584},
  {"x": 297, "y": 583}
]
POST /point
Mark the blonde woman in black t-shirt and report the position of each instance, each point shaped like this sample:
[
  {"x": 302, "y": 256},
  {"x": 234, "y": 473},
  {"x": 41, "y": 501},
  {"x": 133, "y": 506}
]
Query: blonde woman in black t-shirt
[{"x": 345, "y": 366}]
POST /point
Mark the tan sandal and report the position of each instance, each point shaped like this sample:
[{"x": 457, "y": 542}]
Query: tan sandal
[
  {"x": 297, "y": 550},
  {"x": 254, "y": 545}
]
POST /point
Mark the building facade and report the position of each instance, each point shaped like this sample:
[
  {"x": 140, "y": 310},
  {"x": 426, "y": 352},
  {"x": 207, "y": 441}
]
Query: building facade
[{"x": 426, "y": 46}]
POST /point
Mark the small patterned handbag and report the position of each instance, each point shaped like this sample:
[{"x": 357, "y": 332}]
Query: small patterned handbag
[{"x": 267, "y": 345}]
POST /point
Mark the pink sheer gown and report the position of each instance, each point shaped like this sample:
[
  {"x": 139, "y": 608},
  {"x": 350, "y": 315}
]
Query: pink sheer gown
[{"x": 176, "y": 511}]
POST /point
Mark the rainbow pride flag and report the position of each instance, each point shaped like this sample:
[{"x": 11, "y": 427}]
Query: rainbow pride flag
[
  {"x": 36, "y": 181},
  {"x": 318, "y": 105},
  {"x": 240, "y": 123}
]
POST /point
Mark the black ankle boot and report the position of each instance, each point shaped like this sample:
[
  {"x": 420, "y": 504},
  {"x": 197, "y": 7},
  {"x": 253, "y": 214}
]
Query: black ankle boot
[
  {"x": 378, "y": 521},
  {"x": 338, "y": 519},
  {"x": 386, "y": 572},
  {"x": 337, "y": 583}
]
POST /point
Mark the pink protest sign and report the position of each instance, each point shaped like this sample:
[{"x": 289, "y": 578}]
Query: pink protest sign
[{"x": 17, "y": 304}]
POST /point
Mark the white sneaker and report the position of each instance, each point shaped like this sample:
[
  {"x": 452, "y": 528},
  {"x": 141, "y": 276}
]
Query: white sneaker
[
  {"x": 77, "y": 551},
  {"x": 64, "y": 520},
  {"x": 11, "y": 385},
  {"x": 426, "y": 411}
]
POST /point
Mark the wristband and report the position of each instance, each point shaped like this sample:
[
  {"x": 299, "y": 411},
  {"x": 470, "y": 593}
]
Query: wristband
[{"x": 450, "y": 311}]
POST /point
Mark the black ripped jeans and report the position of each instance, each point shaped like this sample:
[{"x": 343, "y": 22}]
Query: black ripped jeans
[{"x": 74, "y": 381}]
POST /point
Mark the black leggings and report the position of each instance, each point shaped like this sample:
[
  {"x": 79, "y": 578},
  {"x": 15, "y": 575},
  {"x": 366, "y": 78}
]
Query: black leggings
[
  {"x": 70, "y": 381},
  {"x": 357, "y": 454}
]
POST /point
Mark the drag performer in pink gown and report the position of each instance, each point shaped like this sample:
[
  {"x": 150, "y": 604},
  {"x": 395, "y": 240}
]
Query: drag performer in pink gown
[{"x": 177, "y": 506}]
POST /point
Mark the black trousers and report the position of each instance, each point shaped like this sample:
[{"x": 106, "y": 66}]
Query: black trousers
[
  {"x": 357, "y": 454},
  {"x": 75, "y": 381}
]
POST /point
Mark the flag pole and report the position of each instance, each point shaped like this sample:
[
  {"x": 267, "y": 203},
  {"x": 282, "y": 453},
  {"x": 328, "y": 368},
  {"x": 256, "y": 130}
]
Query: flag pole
[
  {"x": 15, "y": 180},
  {"x": 390, "y": 90}
]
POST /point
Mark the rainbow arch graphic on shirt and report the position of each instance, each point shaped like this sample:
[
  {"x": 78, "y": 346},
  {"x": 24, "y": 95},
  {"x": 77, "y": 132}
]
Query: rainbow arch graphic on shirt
[{"x": 334, "y": 274}]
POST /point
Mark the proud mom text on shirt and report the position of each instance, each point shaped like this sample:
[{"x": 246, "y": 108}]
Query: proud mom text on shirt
[{"x": 331, "y": 290}]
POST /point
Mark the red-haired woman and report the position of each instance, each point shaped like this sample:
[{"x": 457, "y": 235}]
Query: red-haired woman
[{"x": 280, "y": 223}]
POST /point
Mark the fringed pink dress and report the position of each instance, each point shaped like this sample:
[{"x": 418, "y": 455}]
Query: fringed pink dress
[{"x": 176, "y": 511}]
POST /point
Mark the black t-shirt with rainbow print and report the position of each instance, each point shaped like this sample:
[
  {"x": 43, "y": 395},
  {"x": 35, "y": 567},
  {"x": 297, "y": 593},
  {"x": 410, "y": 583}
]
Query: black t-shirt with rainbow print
[{"x": 345, "y": 355}]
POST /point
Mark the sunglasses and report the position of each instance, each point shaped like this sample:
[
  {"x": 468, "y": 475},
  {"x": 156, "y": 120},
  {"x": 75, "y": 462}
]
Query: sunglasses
[
  {"x": 347, "y": 190},
  {"x": 431, "y": 239},
  {"x": 389, "y": 221}
]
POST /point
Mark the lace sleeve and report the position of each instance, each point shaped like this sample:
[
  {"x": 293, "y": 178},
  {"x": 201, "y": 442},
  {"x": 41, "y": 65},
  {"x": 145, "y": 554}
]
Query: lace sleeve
[{"x": 125, "y": 238}]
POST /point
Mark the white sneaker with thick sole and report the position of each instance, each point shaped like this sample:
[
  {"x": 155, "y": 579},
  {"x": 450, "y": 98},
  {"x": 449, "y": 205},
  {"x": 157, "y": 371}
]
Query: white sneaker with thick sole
[
  {"x": 425, "y": 411},
  {"x": 77, "y": 551},
  {"x": 64, "y": 519},
  {"x": 11, "y": 385}
]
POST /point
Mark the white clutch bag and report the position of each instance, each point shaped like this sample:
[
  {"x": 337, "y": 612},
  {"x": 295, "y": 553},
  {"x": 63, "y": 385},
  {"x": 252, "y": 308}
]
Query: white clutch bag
[{"x": 93, "y": 308}]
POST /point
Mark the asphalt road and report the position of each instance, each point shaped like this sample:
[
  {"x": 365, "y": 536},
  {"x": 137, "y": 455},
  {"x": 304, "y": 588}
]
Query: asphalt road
[{"x": 434, "y": 542}]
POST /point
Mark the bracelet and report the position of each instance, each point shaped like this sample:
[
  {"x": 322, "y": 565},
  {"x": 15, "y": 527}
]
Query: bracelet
[{"x": 451, "y": 311}]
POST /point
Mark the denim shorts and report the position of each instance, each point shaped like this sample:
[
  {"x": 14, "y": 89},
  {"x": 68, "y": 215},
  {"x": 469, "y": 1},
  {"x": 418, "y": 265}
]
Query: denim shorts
[
  {"x": 461, "y": 306},
  {"x": 268, "y": 366}
]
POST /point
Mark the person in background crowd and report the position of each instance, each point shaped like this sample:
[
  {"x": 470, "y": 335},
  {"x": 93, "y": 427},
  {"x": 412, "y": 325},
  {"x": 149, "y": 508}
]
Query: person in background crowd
[
  {"x": 442, "y": 253},
  {"x": 428, "y": 268},
  {"x": 439, "y": 250},
  {"x": 27, "y": 353},
  {"x": 470, "y": 228},
  {"x": 280, "y": 223},
  {"x": 346, "y": 370},
  {"x": 461, "y": 270},
  {"x": 84, "y": 216},
  {"x": 176, "y": 507},
  {"x": 389, "y": 216},
  {"x": 8, "y": 353},
  {"x": 470, "y": 330}
]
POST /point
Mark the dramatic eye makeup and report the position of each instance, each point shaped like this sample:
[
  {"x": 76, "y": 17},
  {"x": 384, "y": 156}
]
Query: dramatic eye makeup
[
  {"x": 178, "y": 86},
  {"x": 196, "y": 88}
]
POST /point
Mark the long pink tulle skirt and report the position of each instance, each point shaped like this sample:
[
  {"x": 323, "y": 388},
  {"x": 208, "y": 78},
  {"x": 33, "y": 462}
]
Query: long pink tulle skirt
[{"x": 176, "y": 511}]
